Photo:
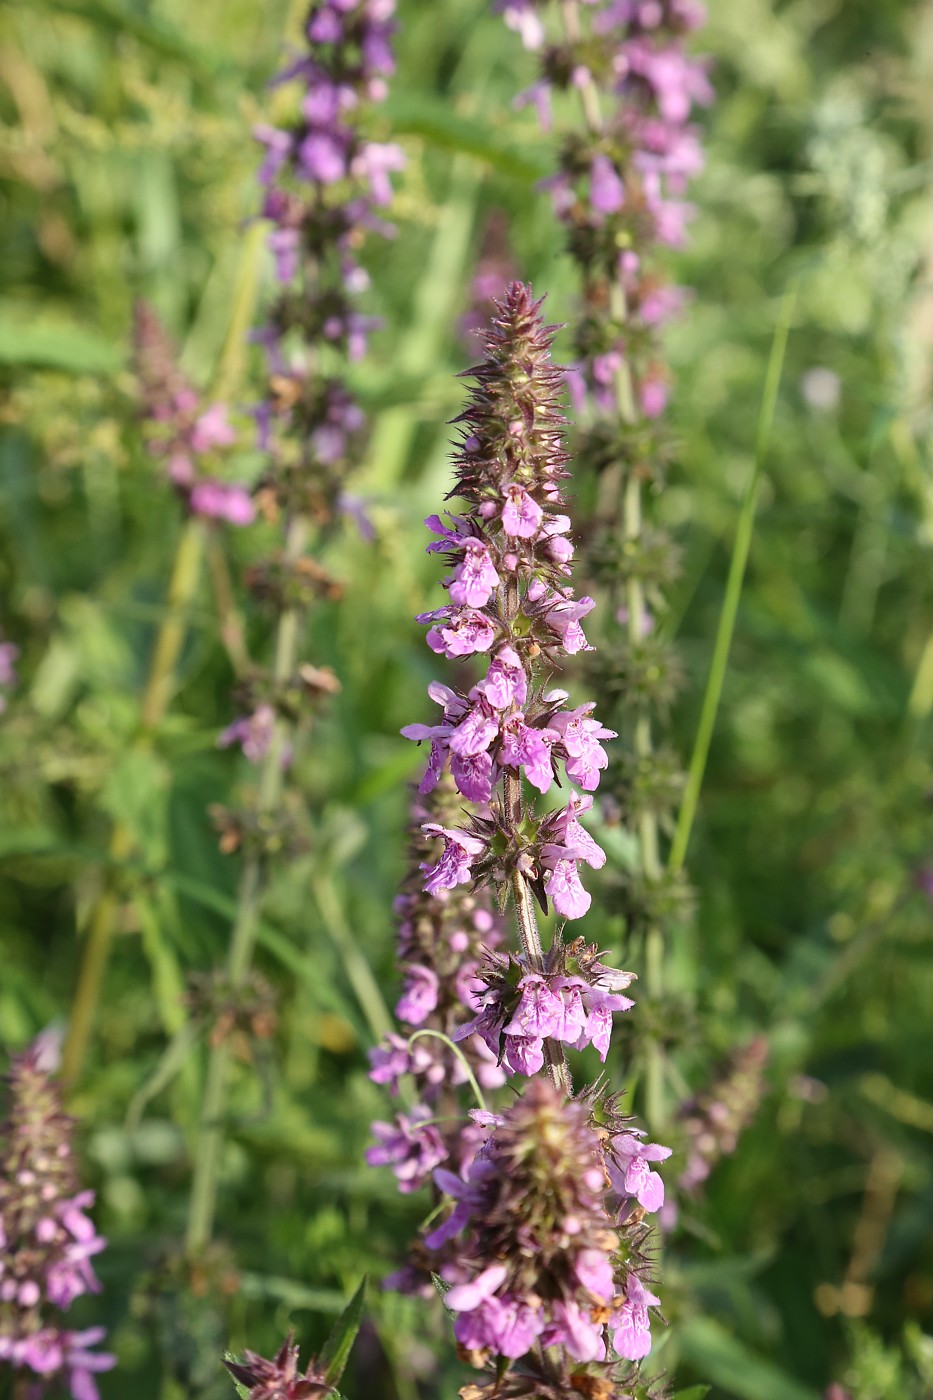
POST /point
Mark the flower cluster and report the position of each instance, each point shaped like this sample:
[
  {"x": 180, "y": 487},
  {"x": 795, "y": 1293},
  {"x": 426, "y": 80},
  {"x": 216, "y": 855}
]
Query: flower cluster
[
  {"x": 510, "y": 601},
  {"x": 188, "y": 434},
  {"x": 324, "y": 183},
  {"x": 8, "y": 678},
  {"x": 47, "y": 1239},
  {"x": 541, "y": 1240},
  {"x": 715, "y": 1118},
  {"x": 440, "y": 947},
  {"x": 621, "y": 184},
  {"x": 571, "y": 999},
  {"x": 620, "y": 190},
  {"x": 540, "y": 1257}
]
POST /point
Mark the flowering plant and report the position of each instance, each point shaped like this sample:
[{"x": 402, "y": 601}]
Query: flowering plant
[{"x": 549, "y": 1195}]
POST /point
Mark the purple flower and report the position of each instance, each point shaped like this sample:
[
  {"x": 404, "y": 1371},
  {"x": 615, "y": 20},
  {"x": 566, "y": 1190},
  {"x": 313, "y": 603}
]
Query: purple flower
[
  {"x": 465, "y": 632},
  {"x": 475, "y": 732},
  {"x": 521, "y": 514},
  {"x": 475, "y": 775},
  {"x": 631, "y": 1175},
  {"x": 563, "y": 617},
  {"x": 562, "y": 883},
  {"x": 412, "y": 1148},
  {"x": 454, "y": 866},
  {"x": 574, "y": 1329},
  {"x": 475, "y": 578},
  {"x": 631, "y": 1330},
  {"x": 47, "y": 1239},
  {"x": 252, "y": 732},
  {"x": 568, "y": 838},
  {"x": 524, "y": 1054},
  {"x": 580, "y": 736},
  {"x": 507, "y": 1325},
  {"x": 530, "y": 749},
  {"x": 505, "y": 683},
  {"x": 539, "y": 1011},
  {"x": 607, "y": 192},
  {"x": 419, "y": 998}
]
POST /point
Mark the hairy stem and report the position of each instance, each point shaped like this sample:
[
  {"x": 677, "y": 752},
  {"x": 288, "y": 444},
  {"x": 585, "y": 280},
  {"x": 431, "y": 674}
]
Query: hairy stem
[{"x": 203, "y": 1203}]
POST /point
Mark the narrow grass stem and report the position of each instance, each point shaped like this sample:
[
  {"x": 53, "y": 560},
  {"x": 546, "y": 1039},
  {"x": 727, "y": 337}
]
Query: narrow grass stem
[
  {"x": 160, "y": 685},
  {"x": 203, "y": 1203},
  {"x": 734, "y": 582}
]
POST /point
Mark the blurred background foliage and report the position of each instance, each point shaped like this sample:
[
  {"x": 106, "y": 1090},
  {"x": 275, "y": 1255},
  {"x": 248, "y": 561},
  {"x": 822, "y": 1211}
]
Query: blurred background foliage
[{"x": 127, "y": 169}]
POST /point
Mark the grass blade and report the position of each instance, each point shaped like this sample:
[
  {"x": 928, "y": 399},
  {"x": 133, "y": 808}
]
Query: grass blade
[{"x": 730, "y": 606}]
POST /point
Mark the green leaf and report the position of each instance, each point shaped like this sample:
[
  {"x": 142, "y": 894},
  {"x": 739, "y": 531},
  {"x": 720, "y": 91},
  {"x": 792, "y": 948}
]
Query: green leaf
[
  {"x": 436, "y": 122},
  {"x": 241, "y": 1389},
  {"x": 734, "y": 1367},
  {"x": 153, "y": 31},
  {"x": 52, "y": 342},
  {"x": 693, "y": 1392},
  {"x": 339, "y": 1344}
]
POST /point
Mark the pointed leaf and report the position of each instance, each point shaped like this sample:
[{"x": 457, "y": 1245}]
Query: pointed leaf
[
  {"x": 339, "y": 1344},
  {"x": 241, "y": 1389}
]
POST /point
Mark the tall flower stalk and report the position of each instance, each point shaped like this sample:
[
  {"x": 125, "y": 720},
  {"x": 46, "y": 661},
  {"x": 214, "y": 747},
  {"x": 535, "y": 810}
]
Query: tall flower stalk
[
  {"x": 542, "y": 1242},
  {"x": 323, "y": 185},
  {"x": 47, "y": 1239},
  {"x": 620, "y": 192}
]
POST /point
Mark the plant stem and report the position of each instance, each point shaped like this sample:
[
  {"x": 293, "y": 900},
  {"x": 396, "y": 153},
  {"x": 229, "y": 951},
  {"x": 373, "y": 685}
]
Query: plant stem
[
  {"x": 160, "y": 684},
  {"x": 203, "y": 1203},
  {"x": 730, "y": 605}
]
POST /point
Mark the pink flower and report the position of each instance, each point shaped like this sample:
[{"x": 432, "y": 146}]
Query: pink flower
[
  {"x": 211, "y": 429},
  {"x": 419, "y": 997},
  {"x": 530, "y": 749},
  {"x": 506, "y": 683},
  {"x": 574, "y": 1329},
  {"x": 475, "y": 578},
  {"x": 453, "y": 868},
  {"x": 521, "y": 514},
  {"x": 607, "y": 192},
  {"x": 630, "y": 1174},
  {"x": 539, "y": 1010},
  {"x": 475, "y": 732},
  {"x": 631, "y": 1334},
  {"x": 475, "y": 775},
  {"x": 412, "y": 1148},
  {"x": 563, "y": 617},
  {"x": 252, "y": 732},
  {"x": 580, "y": 736},
  {"x": 465, "y": 632},
  {"x": 562, "y": 883}
]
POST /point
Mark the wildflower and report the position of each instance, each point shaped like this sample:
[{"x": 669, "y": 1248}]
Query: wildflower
[
  {"x": 47, "y": 1238},
  {"x": 191, "y": 437}
]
